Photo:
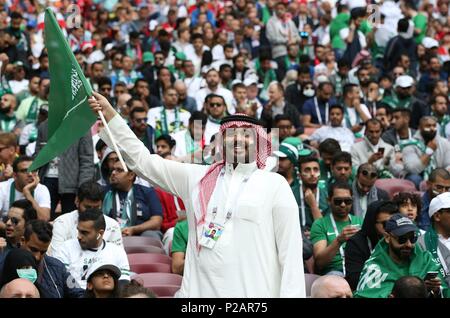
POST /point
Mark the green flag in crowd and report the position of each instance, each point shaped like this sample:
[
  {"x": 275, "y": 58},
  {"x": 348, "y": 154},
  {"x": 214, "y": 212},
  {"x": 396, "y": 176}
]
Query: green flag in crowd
[{"x": 70, "y": 116}]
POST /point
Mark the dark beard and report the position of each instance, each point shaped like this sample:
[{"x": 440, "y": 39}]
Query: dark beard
[
  {"x": 4, "y": 110},
  {"x": 428, "y": 136},
  {"x": 311, "y": 186}
]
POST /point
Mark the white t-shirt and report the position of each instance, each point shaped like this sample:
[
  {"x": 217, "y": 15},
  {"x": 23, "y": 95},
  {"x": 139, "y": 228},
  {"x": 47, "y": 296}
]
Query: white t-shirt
[
  {"x": 65, "y": 228},
  {"x": 78, "y": 261},
  {"x": 362, "y": 38},
  {"x": 17, "y": 87},
  {"x": 211, "y": 129},
  {"x": 353, "y": 117},
  {"x": 154, "y": 116},
  {"x": 41, "y": 195}
]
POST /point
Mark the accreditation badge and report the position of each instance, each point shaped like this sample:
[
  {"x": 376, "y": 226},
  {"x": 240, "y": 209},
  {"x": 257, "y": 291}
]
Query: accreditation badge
[{"x": 210, "y": 234}]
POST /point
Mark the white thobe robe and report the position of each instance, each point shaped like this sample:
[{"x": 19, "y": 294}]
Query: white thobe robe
[{"x": 259, "y": 253}]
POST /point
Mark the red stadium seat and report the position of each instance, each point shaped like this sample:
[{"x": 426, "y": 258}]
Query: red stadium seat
[
  {"x": 150, "y": 268},
  {"x": 309, "y": 280},
  {"x": 141, "y": 241},
  {"x": 143, "y": 249},
  {"x": 166, "y": 291},
  {"x": 393, "y": 186},
  {"x": 148, "y": 258},
  {"x": 158, "y": 279}
]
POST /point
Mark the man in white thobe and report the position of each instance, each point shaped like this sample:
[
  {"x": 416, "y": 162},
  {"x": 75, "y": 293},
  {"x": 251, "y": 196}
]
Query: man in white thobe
[{"x": 259, "y": 251}]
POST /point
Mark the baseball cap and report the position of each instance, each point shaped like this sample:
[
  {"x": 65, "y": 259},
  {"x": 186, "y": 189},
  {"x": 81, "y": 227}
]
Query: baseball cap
[
  {"x": 148, "y": 57},
  {"x": 399, "y": 225},
  {"x": 429, "y": 42},
  {"x": 152, "y": 25},
  {"x": 442, "y": 201},
  {"x": 236, "y": 81},
  {"x": 287, "y": 151},
  {"x": 98, "y": 266},
  {"x": 404, "y": 81},
  {"x": 294, "y": 141},
  {"x": 109, "y": 47},
  {"x": 250, "y": 81},
  {"x": 87, "y": 45},
  {"x": 180, "y": 56}
]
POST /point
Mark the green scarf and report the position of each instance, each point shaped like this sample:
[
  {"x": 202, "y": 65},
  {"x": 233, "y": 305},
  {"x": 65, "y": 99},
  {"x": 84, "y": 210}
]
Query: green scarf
[
  {"x": 7, "y": 123},
  {"x": 380, "y": 272},
  {"x": 32, "y": 112},
  {"x": 431, "y": 240}
]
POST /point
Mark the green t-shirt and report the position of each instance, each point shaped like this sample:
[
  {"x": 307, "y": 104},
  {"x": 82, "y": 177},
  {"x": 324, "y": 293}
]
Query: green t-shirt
[
  {"x": 380, "y": 272},
  {"x": 322, "y": 229},
  {"x": 180, "y": 237},
  {"x": 340, "y": 22},
  {"x": 420, "y": 22}
]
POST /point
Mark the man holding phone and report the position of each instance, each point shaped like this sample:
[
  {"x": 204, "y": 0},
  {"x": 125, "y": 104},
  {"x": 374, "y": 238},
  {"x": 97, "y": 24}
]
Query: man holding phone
[
  {"x": 374, "y": 150},
  {"x": 437, "y": 239},
  {"x": 396, "y": 256}
]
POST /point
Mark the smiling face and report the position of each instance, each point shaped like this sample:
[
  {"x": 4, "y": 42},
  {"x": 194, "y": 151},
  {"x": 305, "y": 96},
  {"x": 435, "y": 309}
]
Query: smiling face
[{"x": 239, "y": 145}]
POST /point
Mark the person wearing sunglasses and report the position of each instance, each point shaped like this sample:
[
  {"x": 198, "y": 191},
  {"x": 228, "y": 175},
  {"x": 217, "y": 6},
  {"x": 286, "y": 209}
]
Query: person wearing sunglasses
[
  {"x": 138, "y": 124},
  {"x": 102, "y": 281},
  {"x": 364, "y": 189},
  {"x": 215, "y": 107},
  {"x": 19, "y": 214},
  {"x": 398, "y": 255},
  {"x": 436, "y": 239},
  {"x": 330, "y": 233},
  {"x": 360, "y": 246},
  {"x": 376, "y": 151}
]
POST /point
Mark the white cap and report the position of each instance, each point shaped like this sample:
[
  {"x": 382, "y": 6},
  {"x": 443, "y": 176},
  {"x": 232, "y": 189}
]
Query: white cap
[
  {"x": 101, "y": 265},
  {"x": 430, "y": 43},
  {"x": 152, "y": 25},
  {"x": 236, "y": 81},
  {"x": 442, "y": 201},
  {"x": 109, "y": 47},
  {"x": 322, "y": 78},
  {"x": 96, "y": 56},
  {"x": 250, "y": 81},
  {"x": 404, "y": 81}
]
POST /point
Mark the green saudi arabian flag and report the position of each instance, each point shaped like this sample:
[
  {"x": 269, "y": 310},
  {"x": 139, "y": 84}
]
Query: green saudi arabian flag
[{"x": 69, "y": 114}]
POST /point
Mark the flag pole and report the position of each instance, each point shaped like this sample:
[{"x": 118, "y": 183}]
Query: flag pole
[{"x": 116, "y": 149}]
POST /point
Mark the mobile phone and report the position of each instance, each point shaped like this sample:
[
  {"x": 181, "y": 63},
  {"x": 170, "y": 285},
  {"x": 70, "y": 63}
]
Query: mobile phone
[
  {"x": 381, "y": 150},
  {"x": 361, "y": 124},
  {"x": 431, "y": 275}
]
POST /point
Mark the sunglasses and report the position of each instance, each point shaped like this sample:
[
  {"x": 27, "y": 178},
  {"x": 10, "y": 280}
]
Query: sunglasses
[
  {"x": 215, "y": 105},
  {"x": 405, "y": 238},
  {"x": 339, "y": 201},
  {"x": 369, "y": 174},
  {"x": 141, "y": 120},
  {"x": 13, "y": 219}
]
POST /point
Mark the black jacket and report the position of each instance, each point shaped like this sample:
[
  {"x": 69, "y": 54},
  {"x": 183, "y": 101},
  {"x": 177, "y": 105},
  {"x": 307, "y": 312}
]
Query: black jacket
[
  {"x": 54, "y": 281},
  {"x": 294, "y": 96},
  {"x": 289, "y": 110},
  {"x": 395, "y": 48},
  {"x": 357, "y": 249}
]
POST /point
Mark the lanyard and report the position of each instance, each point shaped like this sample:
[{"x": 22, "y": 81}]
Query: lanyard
[
  {"x": 400, "y": 140},
  {"x": 177, "y": 205},
  {"x": 302, "y": 203},
  {"x": 336, "y": 232},
  {"x": 218, "y": 191},
  {"x": 126, "y": 213},
  {"x": 319, "y": 116},
  {"x": 165, "y": 125}
]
